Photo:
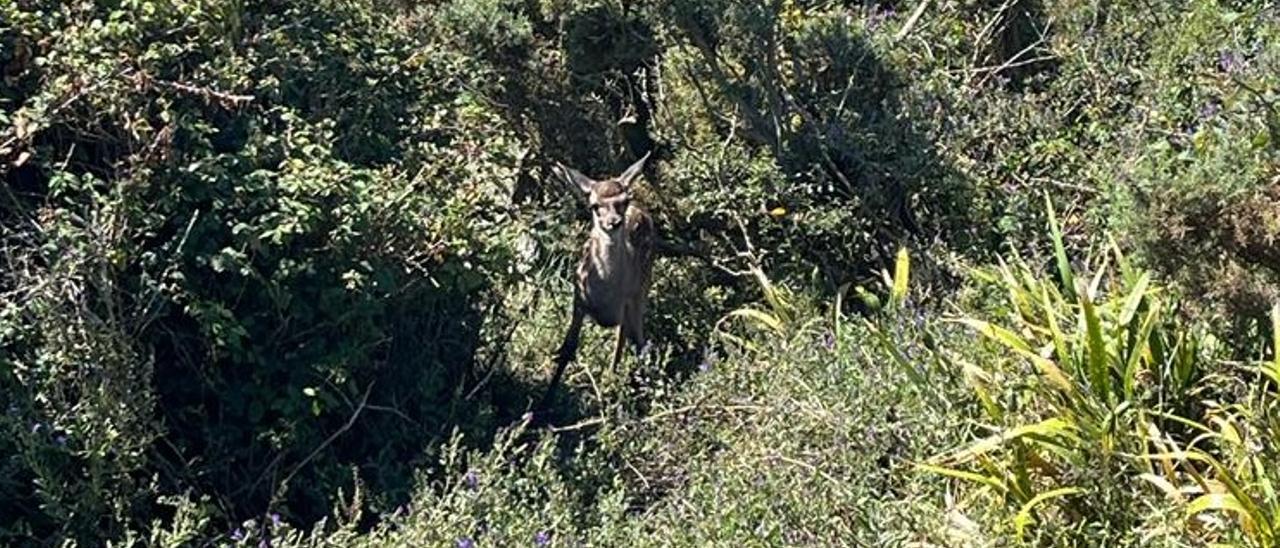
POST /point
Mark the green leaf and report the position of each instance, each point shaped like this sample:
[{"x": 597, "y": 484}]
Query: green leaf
[
  {"x": 991, "y": 481},
  {"x": 1024, "y": 517},
  {"x": 977, "y": 379},
  {"x": 899, "y": 358},
  {"x": 1059, "y": 249},
  {"x": 997, "y": 333},
  {"x": 901, "y": 274},
  {"x": 1051, "y": 317},
  {"x": 1275, "y": 334},
  {"x": 1138, "y": 351},
  {"x": 1041, "y": 431},
  {"x": 1170, "y": 491},
  {"x": 1098, "y": 372},
  {"x": 1218, "y": 501},
  {"x": 1134, "y": 299},
  {"x": 1050, "y": 370},
  {"x": 764, "y": 318}
]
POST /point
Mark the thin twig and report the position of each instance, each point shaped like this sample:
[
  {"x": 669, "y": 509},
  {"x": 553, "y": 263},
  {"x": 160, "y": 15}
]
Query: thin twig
[
  {"x": 280, "y": 457},
  {"x": 224, "y": 99},
  {"x": 392, "y": 410},
  {"x": 682, "y": 410},
  {"x": 579, "y": 426},
  {"x": 915, "y": 16},
  {"x": 636, "y": 471},
  {"x": 1007, "y": 66},
  {"x": 1014, "y": 60},
  {"x": 350, "y": 422},
  {"x": 980, "y": 41}
]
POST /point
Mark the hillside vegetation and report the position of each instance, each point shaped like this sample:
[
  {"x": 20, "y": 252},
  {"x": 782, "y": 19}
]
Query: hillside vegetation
[{"x": 933, "y": 273}]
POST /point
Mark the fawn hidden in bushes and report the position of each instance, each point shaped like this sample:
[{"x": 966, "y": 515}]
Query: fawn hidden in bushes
[{"x": 612, "y": 285}]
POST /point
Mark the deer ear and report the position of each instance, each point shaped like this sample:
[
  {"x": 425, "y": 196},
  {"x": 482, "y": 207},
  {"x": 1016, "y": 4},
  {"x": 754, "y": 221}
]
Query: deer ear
[
  {"x": 632, "y": 173},
  {"x": 573, "y": 178}
]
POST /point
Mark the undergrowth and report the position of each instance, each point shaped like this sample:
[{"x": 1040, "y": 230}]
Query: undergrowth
[{"x": 956, "y": 273}]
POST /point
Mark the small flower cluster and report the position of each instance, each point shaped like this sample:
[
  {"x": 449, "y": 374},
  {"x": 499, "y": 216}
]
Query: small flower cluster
[
  {"x": 246, "y": 529},
  {"x": 540, "y": 539},
  {"x": 59, "y": 438},
  {"x": 879, "y": 15},
  {"x": 709, "y": 360}
]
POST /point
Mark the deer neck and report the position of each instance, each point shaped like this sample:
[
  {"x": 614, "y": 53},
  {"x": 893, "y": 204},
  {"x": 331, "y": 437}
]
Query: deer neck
[{"x": 608, "y": 253}]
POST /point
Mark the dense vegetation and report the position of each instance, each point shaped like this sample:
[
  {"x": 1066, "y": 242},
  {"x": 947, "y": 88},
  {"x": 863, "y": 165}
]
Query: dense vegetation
[{"x": 963, "y": 272}]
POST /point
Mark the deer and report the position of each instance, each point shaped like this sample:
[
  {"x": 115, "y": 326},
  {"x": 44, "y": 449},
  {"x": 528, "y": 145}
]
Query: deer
[{"x": 612, "y": 282}]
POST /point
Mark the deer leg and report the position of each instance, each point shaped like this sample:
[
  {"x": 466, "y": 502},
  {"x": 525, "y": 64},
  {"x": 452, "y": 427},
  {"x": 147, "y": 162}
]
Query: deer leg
[
  {"x": 618, "y": 345},
  {"x": 635, "y": 326},
  {"x": 568, "y": 349},
  {"x": 635, "y": 330}
]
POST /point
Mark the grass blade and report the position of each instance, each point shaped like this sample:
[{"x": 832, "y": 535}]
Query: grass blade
[
  {"x": 977, "y": 379},
  {"x": 1139, "y": 350},
  {"x": 764, "y": 318},
  {"x": 1098, "y": 371},
  {"x": 1224, "y": 502},
  {"x": 1059, "y": 249},
  {"x": 990, "y": 481},
  {"x": 1050, "y": 370},
  {"x": 1135, "y": 299},
  {"x": 1040, "y": 431},
  {"x": 899, "y": 358},
  {"x": 1051, "y": 317},
  {"x": 1275, "y": 334},
  {"x": 1023, "y": 518}
]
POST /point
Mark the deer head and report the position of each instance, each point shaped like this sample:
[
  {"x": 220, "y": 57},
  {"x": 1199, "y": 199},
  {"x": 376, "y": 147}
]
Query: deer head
[{"x": 608, "y": 198}]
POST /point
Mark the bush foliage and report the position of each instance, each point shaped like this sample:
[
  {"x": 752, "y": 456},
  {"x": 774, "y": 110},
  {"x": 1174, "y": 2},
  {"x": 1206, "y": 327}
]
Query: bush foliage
[{"x": 291, "y": 272}]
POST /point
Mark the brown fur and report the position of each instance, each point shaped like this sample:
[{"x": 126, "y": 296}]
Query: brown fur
[{"x": 612, "y": 286}]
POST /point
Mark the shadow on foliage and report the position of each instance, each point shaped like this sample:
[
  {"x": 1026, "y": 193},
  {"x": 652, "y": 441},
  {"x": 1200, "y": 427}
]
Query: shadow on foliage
[{"x": 834, "y": 144}]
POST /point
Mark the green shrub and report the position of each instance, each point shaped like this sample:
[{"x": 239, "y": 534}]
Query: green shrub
[
  {"x": 240, "y": 236},
  {"x": 273, "y": 270},
  {"x": 1200, "y": 179}
]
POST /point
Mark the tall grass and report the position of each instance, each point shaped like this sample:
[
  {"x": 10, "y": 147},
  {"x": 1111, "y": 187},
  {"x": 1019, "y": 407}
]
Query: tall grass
[{"x": 1118, "y": 388}]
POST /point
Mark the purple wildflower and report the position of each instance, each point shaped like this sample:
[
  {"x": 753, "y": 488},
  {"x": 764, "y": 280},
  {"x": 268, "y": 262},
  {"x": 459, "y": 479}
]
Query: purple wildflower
[
  {"x": 237, "y": 535},
  {"x": 879, "y": 16},
  {"x": 264, "y": 543},
  {"x": 1229, "y": 62},
  {"x": 542, "y": 538},
  {"x": 275, "y": 519},
  {"x": 465, "y": 542},
  {"x": 61, "y": 440},
  {"x": 471, "y": 480},
  {"x": 1210, "y": 109},
  {"x": 709, "y": 360}
]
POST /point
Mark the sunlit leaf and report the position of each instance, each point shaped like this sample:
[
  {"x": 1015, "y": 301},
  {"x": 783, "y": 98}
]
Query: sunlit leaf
[
  {"x": 1024, "y": 518},
  {"x": 901, "y": 275}
]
